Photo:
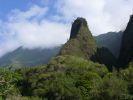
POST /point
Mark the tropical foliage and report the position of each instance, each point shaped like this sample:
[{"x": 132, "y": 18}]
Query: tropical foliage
[{"x": 73, "y": 78}]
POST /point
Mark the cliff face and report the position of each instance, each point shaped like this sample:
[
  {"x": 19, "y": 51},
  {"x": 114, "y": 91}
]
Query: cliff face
[
  {"x": 81, "y": 42},
  {"x": 126, "y": 51}
]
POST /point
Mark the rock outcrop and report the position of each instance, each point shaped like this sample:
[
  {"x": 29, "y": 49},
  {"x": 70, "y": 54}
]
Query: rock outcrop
[
  {"x": 81, "y": 42},
  {"x": 126, "y": 51}
]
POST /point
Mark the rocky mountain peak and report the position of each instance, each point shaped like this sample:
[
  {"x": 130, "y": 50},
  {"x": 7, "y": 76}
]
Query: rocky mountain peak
[
  {"x": 126, "y": 52},
  {"x": 77, "y": 25},
  {"x": 81, "y": 42}
]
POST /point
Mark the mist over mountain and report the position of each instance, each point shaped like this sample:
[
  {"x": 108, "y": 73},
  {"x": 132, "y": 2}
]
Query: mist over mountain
[
  {"x": 78, "y": 70},
  {"x": 81, "y": 43},
  {"x": 28, "y": 57},
  {"x": 66, "y": 50}
]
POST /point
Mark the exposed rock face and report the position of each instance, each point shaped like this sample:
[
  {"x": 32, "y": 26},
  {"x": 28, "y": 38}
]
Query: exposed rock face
[
  {"x": 81, "y": 42},
  {"x": 126, "y": 51},
  {"x": 76, "y": 27}
]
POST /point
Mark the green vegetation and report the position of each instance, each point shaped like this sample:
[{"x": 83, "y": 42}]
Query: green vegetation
[
  {"x": 81, "y": 43},
  {"x": 72, "y": 78},
  {"x": 58, "y": 79},
  {"x": 71, "y": 75},
  {"x": 8, "y": 79}
]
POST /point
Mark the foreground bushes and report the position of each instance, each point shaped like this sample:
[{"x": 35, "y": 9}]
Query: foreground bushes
[
  {"x": 8, "y": 79},
  {"x": 73, "y": 78}
]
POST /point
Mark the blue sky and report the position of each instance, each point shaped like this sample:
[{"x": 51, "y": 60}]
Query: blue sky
[
  {"x": 47, "y": 23},
  {"x": 7, "y": 6}
]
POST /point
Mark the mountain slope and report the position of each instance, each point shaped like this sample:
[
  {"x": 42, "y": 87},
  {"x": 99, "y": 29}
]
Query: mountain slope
[
  {"x": 81, "y": 42},
  {"x": 126, "y": 51},
  {"x": 26, "y": 57},
  {"x": 104, "y": 56},
  {"x": 110, "y": 40}
]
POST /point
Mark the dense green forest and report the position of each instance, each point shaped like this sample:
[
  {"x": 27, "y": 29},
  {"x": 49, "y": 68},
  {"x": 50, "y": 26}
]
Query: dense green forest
[
  {"x": 81, "y": 71},
  {"x": 68, "y": 78}
]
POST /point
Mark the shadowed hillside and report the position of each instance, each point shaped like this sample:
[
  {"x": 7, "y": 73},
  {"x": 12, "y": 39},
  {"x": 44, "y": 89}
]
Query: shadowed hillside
[{"x": 104, "y": 56}]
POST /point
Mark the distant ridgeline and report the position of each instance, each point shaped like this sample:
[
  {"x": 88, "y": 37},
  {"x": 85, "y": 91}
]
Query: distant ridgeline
[
  {"x": 120, "y": 44},
  {"x": 28, "y": 57},
  {"x": 110, "y": 40}
]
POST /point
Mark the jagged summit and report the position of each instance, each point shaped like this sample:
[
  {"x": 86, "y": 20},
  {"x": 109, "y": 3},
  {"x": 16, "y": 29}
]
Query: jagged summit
[
  {"x": 126, "y": 52},
  {"x": 129, "y": 28},
  {"x": 81, "y": 42},
  {"x": 76, "y": 26}
]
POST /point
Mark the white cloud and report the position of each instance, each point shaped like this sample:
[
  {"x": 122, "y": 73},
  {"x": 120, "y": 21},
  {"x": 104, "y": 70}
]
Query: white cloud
[
  {"x": 44, "y": 34},
  {"x": 102, "y": 15},
  {"x": 8, "y": 46},
  {"x": 33, "y": 13},
  {"x": 32, "y": 29},
  {"x": 119, "y": 12}
]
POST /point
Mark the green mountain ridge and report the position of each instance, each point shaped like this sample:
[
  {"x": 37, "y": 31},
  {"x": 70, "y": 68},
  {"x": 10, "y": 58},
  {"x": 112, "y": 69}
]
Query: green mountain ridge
[
  {"x": 81, "y": 42},
  {"x": 23, "y": 57}
]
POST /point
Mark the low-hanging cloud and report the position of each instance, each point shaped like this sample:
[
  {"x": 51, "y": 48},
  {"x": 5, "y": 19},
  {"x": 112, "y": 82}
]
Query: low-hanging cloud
[
  {"x": 30, "y": 30},
  {"x": 35, "y": 28},
  {"x": 102, "y": 15}
]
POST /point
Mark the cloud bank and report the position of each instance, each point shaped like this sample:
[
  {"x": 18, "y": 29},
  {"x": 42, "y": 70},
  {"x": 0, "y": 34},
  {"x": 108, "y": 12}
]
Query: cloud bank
[
  {"x": 30, "y": 29},
  {"x": 102, "y": 15},
  {"x": 48, "y": 25}
]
